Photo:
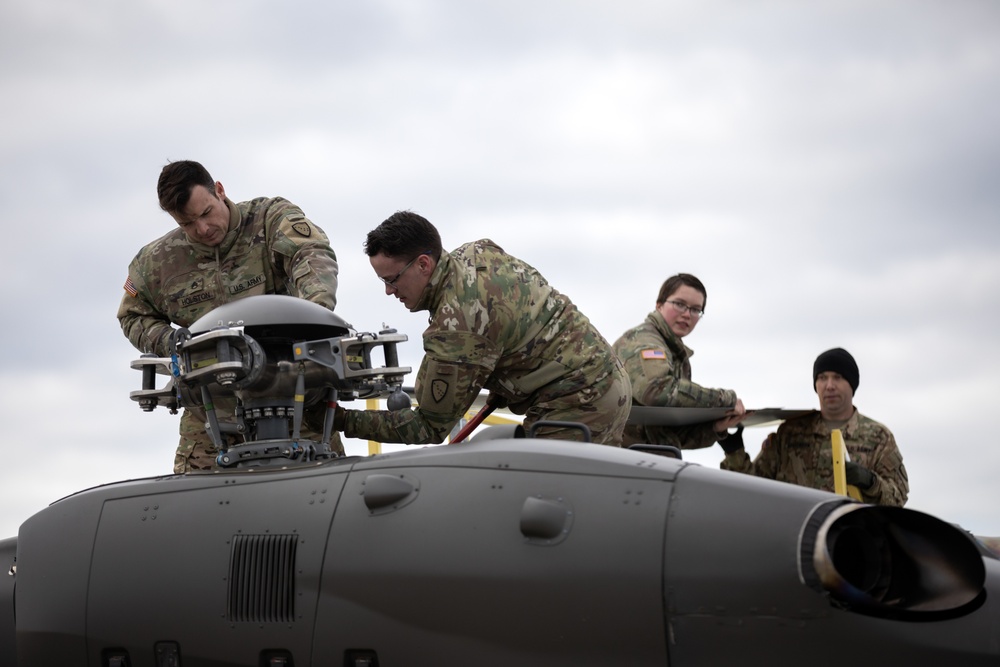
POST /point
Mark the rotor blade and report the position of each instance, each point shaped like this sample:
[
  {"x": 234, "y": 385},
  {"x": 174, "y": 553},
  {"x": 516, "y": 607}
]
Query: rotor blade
[{"x": 643, "y": 415}]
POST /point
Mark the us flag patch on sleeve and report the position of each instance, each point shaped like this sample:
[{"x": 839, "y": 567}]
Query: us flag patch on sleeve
[
  {"x": 130, "y": 288},
  {"x": 653, "y": 354}
]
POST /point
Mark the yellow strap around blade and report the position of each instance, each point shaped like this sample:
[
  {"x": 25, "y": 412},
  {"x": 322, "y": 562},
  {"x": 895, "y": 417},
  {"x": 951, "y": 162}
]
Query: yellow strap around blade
[
  {"x": 374, "y": 447},
  {"x": 495, "y": 419},
  {"x": 840, "y": 485}
]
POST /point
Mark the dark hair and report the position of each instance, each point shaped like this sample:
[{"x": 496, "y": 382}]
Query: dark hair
[
  {"x": 404, "y": 234},
  {"x": 177, "y": 179},
  {"x": 674, "y": 283}
]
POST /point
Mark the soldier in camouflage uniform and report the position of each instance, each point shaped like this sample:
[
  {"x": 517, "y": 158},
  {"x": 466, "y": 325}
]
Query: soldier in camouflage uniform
[
  {"x": 495, "y": 323},
  {"x": 221, "y": 251},
  {"x": 659, "y": 367},
  {"x": 801, "y": 452}
]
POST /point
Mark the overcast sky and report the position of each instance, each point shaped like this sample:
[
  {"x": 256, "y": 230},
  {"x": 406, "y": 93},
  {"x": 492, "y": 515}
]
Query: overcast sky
[{"x": 829, "y": 169}]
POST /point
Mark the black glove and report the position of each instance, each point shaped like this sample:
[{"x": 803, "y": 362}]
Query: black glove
[
  {"x": 858, "y": 475},
  {"x": 339, "y": 418},
  {"x": 733, "y": 442}
]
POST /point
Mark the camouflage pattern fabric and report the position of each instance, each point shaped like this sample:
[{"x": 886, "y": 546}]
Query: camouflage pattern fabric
[
  {"x": 497, "y": 324},
  {"x": 659, "y": 367},
  {"x": 271, "y": 248},
  {"x": 800, "y": 453}
]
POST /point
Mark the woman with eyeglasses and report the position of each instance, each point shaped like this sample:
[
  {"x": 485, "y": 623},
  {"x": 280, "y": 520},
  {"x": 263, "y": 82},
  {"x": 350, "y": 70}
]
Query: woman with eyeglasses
[{"x": 659, "y": 365}]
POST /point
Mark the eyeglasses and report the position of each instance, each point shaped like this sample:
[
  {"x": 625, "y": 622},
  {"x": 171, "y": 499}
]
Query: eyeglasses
[
  {"x": 391, "y": 282},
  {"x": 681, "y": 307}
]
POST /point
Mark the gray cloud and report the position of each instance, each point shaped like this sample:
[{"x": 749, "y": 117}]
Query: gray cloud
[{"x": 827, "y": 168}]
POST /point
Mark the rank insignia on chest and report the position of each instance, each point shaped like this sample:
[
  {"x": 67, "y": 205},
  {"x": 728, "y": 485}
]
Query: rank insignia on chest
[
  {"x": 653, "y": 354},
  {"x": 302, "y": 228}
]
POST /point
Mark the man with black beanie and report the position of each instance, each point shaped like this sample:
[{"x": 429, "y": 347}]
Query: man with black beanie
[{"x": 800, "y": 452}]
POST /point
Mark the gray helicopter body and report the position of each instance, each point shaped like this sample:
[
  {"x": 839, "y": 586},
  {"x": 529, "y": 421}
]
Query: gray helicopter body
[{"x": 522, "y": 552}]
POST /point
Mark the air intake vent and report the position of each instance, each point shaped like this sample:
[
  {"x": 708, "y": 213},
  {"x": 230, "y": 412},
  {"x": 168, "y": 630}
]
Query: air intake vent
[{"x": 262, "y": 578}]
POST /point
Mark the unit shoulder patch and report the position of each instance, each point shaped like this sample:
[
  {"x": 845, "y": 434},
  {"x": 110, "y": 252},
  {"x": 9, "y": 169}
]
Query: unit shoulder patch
[{"x": 439, "y": 389}]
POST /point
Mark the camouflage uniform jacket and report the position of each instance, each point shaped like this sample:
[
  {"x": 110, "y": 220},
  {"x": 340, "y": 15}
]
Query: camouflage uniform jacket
[
  {"x": 271, "y": 248},
  {"x": 496, "y": 323},
  {"x": 659, "y": 367},
  {"x": 801, "y": 453}
]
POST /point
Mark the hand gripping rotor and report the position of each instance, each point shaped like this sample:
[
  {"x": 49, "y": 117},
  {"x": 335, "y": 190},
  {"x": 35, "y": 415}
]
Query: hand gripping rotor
[{"x": 272, "y": 370}]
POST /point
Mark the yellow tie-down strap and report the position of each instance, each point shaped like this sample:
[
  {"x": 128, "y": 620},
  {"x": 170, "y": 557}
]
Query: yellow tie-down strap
[
  {"x": 840, "y": 485},
  {"x": 494, "y": 419},
  {"x": 374, "y": 447}
]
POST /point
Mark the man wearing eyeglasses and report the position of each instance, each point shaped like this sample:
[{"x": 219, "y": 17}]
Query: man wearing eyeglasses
[
  {"x": 220, "y": 251},
  {"x": 659, "y": 368},
  {"x": 495, "y": 323}
]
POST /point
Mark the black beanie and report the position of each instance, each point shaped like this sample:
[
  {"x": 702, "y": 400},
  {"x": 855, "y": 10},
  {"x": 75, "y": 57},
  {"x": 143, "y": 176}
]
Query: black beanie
[{"x": 837, "y": 360}]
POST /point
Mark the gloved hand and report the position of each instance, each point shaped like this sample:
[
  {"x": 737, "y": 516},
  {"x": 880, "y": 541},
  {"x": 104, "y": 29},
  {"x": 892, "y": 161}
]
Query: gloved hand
[
  {"x": 733, "y": 442},
  {"x": 339, "y": 418},
  {"x": 858, "y": 475}
]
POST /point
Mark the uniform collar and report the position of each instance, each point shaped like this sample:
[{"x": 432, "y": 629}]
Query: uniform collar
[
  {"x": 848, "y": 429},
  {"x": 431, "y": 296},
  {"x": 673, "y": 340}
]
